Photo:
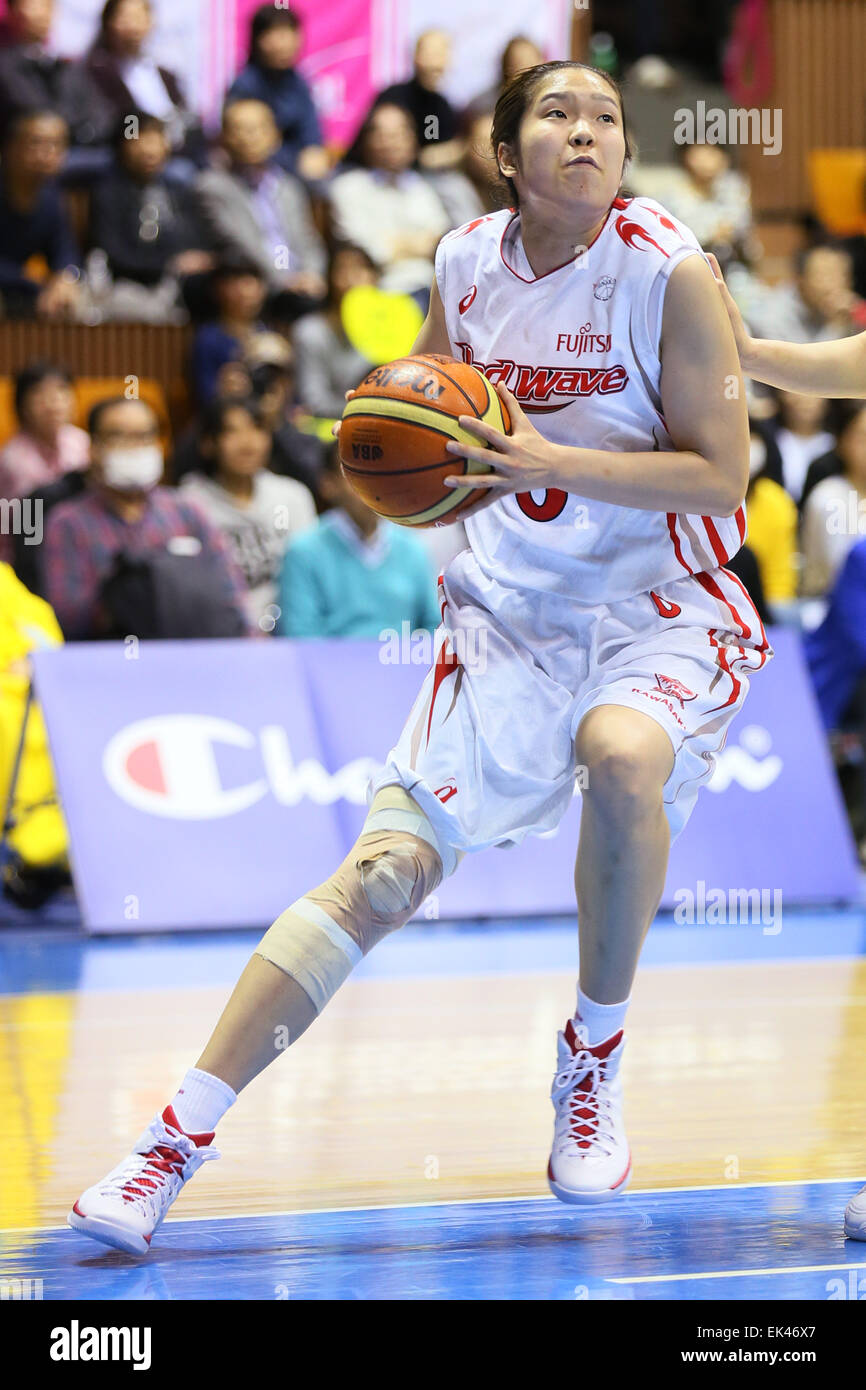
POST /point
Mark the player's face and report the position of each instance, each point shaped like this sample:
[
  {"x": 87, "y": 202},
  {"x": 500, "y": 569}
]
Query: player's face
[{"x": 572, "y": 143}]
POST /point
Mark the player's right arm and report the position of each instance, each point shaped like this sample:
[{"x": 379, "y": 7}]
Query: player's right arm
[
  {"x": 834, "y": 369},
  {"x": 433, "y": 334}
]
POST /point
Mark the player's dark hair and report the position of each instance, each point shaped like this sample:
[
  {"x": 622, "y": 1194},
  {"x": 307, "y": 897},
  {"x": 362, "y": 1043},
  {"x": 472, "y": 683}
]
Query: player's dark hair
[
  {"x": 32, "y": 376},
  {"x": 515, "y": 101}
]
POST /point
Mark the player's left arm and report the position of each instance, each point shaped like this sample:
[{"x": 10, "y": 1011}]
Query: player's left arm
[{"x": 704, "y": 406}]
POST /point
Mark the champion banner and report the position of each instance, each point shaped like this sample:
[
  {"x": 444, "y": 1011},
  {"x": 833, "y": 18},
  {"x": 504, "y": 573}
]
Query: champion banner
[{"x": 211, "y": 783}]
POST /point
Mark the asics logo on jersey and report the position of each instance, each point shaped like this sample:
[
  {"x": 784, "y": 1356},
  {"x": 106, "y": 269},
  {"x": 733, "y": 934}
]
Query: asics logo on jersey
[
  {"x": 468, "y": 299},
  {"x": 667, "y": 685},
  {"x": 533, "y": 385}
]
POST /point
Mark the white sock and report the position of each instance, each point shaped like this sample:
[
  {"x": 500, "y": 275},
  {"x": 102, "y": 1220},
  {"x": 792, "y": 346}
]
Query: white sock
[
  {"x": 602, "y": 1020},
  {"x": 201, "y": 1102}
]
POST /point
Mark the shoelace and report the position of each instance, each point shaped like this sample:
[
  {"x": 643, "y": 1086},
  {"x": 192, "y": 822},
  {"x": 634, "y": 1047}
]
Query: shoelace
[
  {"x": 591, "y": 1116},
  {"x": 159, "y": 1163}
]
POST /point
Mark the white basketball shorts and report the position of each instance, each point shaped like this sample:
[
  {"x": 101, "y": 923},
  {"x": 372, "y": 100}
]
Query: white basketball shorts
[{"x": 488, "y": 748}]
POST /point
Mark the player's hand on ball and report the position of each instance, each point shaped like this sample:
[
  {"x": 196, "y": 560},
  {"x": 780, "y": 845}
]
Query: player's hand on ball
[
  {"x": 335, "y": 428},
  {"x": 521, "y": 461}
]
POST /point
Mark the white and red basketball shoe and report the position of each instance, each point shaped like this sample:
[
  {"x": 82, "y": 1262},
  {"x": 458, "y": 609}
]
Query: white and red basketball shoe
[
  {"x": 129, "y": 1205},
  {"x": 855, "y": 1216},
  {"x": 590, "y": 1160}
]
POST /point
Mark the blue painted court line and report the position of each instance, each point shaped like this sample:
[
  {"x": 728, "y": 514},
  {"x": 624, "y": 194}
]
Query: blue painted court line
[
  {"x": 51, "y": 960},
  {"x": 770, "y": 1241}
]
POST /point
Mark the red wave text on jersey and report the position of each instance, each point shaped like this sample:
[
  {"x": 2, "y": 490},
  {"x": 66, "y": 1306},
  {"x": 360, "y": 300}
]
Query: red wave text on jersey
[{"x": 532, "y": 385}]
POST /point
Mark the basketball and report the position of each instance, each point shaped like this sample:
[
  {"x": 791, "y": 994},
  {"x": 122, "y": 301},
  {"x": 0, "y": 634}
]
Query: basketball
[{"x": 394, "y": 431}]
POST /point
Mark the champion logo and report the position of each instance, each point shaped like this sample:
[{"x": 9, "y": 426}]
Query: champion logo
[
  {"x": 445, "y": 792},
  {"x": 468, "y": 299},
  {"x": 674, "y": 688}
]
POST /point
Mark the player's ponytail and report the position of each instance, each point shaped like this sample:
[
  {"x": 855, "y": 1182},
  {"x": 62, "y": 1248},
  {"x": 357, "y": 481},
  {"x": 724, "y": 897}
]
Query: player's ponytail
[{"x": 515, "y": 101}]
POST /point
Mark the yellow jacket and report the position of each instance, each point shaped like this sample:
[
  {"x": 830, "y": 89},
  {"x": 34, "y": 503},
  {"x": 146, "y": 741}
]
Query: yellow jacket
[
  {"x": 27, "y": 623},
  {"x": 773, "y": 538}
]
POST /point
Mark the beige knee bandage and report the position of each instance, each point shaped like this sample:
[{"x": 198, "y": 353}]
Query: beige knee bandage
[{"x": 392, "y": 867}]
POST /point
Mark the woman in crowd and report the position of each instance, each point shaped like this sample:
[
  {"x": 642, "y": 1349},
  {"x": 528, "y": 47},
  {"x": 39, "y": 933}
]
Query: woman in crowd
[
  {"x": 835, "y": 511},
  {"x": 46, "y": 444},
  {"x": 257, "y": 511},
  {"x": 388, "y": 208},
  {"x": 271, "y": 76},
  {"x": 328, "y": 365}
]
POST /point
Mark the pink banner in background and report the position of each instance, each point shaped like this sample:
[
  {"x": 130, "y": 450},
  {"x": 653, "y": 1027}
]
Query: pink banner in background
[{"x": 336, "y": 58}]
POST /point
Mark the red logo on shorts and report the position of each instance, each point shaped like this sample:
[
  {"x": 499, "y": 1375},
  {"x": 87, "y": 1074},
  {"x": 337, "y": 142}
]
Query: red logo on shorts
[
  {"x": 665, "y": 609},
  {"x": 468, "y": 299},
  {"x": 445, "y": 793},
  {"x": 668, "y": 686}
]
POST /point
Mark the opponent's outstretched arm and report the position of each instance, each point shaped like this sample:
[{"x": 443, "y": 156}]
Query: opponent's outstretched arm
[{"x": 833, "y": 369}]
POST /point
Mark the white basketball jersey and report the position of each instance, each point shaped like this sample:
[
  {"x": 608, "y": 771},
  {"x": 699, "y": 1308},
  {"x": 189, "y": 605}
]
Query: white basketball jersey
[{"x": 579, "y": 348}]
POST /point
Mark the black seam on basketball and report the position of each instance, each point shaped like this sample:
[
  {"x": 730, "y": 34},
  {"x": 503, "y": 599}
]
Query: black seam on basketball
[
  {"x": 455, "y": 384},
  {"x": 402, "y": 472},
  {"x": 413, "y": 424}
]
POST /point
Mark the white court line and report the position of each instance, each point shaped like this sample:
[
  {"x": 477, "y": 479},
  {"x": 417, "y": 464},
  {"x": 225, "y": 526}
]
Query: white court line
[
  {"x": 466, "y": 1202},
  {"x": 726, "y": 1274}
]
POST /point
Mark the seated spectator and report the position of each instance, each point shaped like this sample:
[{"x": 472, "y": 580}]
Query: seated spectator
[
  {"x": 31, "y": 77},
  {"x": 256, "y": 210},
  {"x": 473, "y": 188},
  {"x": 352, "y": 574},
  {"x": 271, "y": 76},
  {"x": 436, "y": 122},
  {"x": 710, "y": 197},
  {"x": 772, "y": 520},
  {"x": 800, "y": 434},
  {"x": 47, "y": 444},
  {"x": 327, "y": 363},
  {"x": 33, "y": 222},
  {"x": 238, "y": 292},
  {"x": 145, "y": 231},
  {"x": 819, "y": 304},
  {"x": 257, "y": 512},
  {"x": 387, "y": 207},
  {"x": 266, "y": 372},
  {"x": 834, "y": 515},
  {"x": 117, "y": 76},
  {"x": 124, "y": 512},
  {"x": 517, "y": 55}
]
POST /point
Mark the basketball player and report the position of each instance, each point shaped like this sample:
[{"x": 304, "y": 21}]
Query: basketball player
[
  {"x": 615, "y": 640},
  {"x": 835, "y": 369}
]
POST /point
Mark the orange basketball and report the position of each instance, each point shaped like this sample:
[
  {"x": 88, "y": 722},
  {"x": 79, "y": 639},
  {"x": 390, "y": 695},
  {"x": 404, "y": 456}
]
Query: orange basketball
[{"x": 394, "y": 431}]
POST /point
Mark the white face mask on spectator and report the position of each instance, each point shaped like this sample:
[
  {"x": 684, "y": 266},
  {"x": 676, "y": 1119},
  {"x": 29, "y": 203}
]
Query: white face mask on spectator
[{"x": 133, "y": 470}]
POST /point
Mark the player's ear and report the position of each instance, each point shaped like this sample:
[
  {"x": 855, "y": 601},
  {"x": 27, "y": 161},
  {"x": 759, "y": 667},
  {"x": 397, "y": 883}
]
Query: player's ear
[{"x": 506, "y": 160}]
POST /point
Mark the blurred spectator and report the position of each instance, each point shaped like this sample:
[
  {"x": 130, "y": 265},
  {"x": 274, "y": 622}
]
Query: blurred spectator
[
  {"x": 517, "y": 55},
  {"x": 436, "y": 121},
  {"x": 709, "y": 196},
  {"x": 471, "y": 189},
  {"x": 31, "y": 77},
  {"x": 117, "y": 76},
  {"x": 256, "y": 210},
  {"x": 327, "y": 363},
  {"x": 819, "y": 304},
  {"x": 352, "y": 574},
  {"x": 256, "y": 511},
  {"x": 47, "y": 444},
  {"x": 387, "y": 207},
  {"x": 124, "y": 513},
  {"x": 800, "y": 435},
  {"x": 238, "y": 290},
  {"x": 145, "y": 232},
  {"x": 271, "y": 76},
  {"x": 294, "y": 452},
  {"x": 33, "y": 221},
  {"x": 836, "y": 654},
  {"x": 772, "y": 520},
  {"x": 834, "y": 514}
]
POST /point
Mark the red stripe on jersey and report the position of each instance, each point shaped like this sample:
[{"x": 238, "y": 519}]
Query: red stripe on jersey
[
  {"x": 446, "y": 664},
  {"x": 672, "y": 528},
  {"x": 722, "y": 657},
  {"x": 719, "y": 550},
  {"x": 741, "y": 523},
  {"x": 712, "y": 587},
  {"x": 765, "y": 645}
]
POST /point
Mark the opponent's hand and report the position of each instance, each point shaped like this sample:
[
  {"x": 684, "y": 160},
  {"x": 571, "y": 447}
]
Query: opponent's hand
[
  {"x": 521, "y": 461},
  {"x": 741, "y": 334}
]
